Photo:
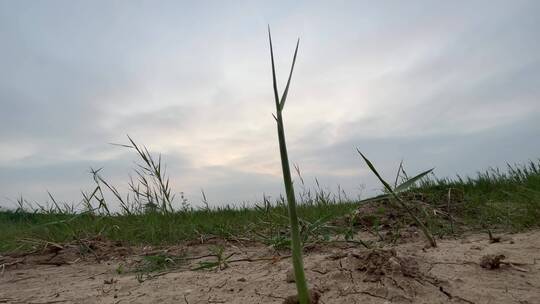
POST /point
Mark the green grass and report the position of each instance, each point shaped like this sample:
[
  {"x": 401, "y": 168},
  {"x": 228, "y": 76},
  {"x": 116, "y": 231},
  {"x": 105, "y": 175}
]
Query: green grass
[
  {"x": 160, "y": 228},
  {"x": 495, "y": 198}
]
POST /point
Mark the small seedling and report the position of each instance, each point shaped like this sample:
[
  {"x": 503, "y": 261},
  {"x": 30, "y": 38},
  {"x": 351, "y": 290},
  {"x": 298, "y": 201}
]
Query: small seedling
[
  {"x": 399, "y": 188},
  {"x": 221, "y": 262},
  {"x": 160, "y": 262},
  {"x": 120, "y": 269}
]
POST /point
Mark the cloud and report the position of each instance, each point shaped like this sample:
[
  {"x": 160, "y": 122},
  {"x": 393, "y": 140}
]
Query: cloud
[{"x": 449, "y": 85}]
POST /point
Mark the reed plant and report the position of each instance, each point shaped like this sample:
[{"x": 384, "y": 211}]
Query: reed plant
[{"x": 296, "y": 243}]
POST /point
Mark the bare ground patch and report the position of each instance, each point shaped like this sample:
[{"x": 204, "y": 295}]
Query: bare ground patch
[{"x": 253, "y": 273}]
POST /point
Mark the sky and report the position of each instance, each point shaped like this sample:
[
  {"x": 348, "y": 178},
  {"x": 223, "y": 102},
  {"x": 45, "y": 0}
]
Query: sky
[{"x": 453, "y": 85}]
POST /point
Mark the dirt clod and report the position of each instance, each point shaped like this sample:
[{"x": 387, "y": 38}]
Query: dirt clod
[
  {"x": 378, "y": 263},
  {"x": 492, "y": 261},
  {"x": 289, "y": 276},
  {"x": 314, "y": 297}
]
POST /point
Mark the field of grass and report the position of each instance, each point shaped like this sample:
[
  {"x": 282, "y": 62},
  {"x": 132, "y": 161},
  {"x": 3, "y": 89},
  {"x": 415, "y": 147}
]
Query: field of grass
[
  {"x": 496, "y": 198},
  {"x": 507, "y": 200},
  {"x": 268, "y": 225}
]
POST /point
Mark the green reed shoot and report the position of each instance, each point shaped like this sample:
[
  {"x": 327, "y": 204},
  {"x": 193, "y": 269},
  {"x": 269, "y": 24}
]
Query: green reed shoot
[{"x": 298, "y": 264}]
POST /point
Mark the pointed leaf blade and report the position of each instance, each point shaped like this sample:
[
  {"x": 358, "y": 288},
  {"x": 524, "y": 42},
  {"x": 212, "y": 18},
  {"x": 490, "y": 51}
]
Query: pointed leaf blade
[
  {"x": 284, "y": 97},
  {"x": 408, "y": 183},
  {"x": 370, "y": 165},
  {"x": 274, "y": 81}
]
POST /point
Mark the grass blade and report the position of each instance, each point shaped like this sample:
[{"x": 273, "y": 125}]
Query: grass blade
[
  {"x": 284, "y": 96},
  {"x": 274, "y": 81},
  {"x": 370, "y": 165},
  {"x": 408, "y": 183}
]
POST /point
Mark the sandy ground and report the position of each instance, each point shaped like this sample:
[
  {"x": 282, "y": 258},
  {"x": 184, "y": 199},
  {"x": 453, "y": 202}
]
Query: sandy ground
[{"x": 406, "y": 273}]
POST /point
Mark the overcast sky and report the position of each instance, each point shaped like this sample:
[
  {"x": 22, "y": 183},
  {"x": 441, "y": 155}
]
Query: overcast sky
[{"x": 453, "y": 85}]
